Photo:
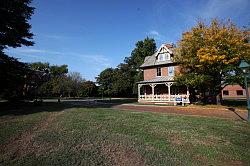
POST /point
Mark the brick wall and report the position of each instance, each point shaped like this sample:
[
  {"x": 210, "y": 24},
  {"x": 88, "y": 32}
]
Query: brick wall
[
  {"x": 232, "y": 92},
  {"x": 151, "y": 73}
]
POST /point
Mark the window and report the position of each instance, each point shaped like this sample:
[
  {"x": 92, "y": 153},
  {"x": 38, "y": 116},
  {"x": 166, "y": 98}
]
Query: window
[
  {"x": 167, "y": 56},
  {"x": 170, "y": 71},
  {"x": 239, "y": 92},
  {"x": 161, "y": 57},
  {"x": 158, "y": 71},
  {"x": 225, "y": 93}
]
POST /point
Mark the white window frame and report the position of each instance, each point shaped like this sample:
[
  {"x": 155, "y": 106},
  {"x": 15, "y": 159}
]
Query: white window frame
[
  {"x": 173, "y": 68},
  {"x": 163, "y": 56},
  {"x": 167, "y": 56}
]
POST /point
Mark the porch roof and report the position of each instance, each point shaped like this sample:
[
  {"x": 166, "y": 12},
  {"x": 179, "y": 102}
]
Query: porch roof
[{"x": 158, "y": 79}]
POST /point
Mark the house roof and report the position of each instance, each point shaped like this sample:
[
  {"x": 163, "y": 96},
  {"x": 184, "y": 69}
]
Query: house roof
[
  {"x": 158, "y": 79},
  {"x": 152, "y": 60}
]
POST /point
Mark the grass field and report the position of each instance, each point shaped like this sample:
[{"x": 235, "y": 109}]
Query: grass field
[{"x": 55, "y": 134}]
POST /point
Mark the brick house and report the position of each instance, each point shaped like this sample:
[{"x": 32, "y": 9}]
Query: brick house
[
  {"x": 157, "y": 87},
  {"x": 159, "y": 71}
]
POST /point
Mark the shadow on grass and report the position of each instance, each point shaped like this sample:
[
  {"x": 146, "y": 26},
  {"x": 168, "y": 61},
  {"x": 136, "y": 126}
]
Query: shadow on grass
[
  {"x": 50, "y": 105},
  {"x": 233, "y": 110},
  {"x": 25, "y": 108}
]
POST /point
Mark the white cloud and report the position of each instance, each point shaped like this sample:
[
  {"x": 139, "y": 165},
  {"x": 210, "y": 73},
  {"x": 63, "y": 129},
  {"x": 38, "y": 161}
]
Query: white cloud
[
  {"x": 156, "y": 35},
  {"x": 153, "y": 32},
  {"x": 93, "y": 60},
  {"x": 216, "y": 8},
  {"x": 32, "y": 51}
]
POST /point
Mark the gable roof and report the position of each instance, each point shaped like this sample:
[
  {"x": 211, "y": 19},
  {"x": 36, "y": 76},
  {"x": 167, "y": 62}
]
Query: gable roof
[{"x": 152, "y": 60}]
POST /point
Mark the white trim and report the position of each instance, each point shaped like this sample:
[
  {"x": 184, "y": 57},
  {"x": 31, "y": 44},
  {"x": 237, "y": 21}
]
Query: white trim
[{"x": 159, "y": 50}]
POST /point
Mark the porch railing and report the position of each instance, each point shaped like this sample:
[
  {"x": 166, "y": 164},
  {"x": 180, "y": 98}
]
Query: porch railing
[{"x": 165, "y": 98}]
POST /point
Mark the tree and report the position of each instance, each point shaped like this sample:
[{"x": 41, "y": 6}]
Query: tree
[
  {"x": 209, "y": 56},
  {"x": 144, "y": 48},
  {"x": 58, "y": 70},
  {"x": 122, "y": 81},
  {"x": 105, "y": 79},
  {"x": 15, "y": 29},
  {"x": 75, "y": 83},
  {"x": 13, "y": 76},
  {"x": 49, "y": 80},
  {"x": 14, "y": 32},
  {"x": 89, "y": 89}
]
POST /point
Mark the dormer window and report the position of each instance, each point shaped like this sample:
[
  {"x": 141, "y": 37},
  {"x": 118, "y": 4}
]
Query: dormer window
[
  {"x": 167, "y": 56},
  {"x": 163, "y": 57}
]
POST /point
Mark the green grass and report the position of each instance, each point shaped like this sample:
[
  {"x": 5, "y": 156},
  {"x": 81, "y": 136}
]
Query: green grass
[{"x": 102, "y": 136}]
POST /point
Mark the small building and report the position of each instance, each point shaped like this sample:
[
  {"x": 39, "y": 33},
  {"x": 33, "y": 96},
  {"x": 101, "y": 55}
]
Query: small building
[
  {"x": 159, "y": 71},
  {"x": 234, "y": 92}
]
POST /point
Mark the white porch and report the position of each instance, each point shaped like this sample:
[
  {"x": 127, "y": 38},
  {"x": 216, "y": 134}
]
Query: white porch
[{"x": 163, "y": 92}]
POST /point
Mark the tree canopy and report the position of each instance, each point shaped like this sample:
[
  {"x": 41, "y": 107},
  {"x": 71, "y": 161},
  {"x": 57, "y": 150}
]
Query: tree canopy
[
  {"x": 210, "y": 55},
  {"x": 14, "y": 32},
  {"x": 14, "y": 28}
]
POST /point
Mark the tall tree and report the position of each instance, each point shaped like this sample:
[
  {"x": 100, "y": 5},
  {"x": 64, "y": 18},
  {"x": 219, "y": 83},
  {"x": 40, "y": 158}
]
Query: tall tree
[
  {"x": 14, "y": 26},
  {"x": 122, "y": 81},
  {"x": 13, "y": 75},
  {"x": 106, "y": 79},
  {"x": 144, "y": 48},
  {"x": 210, "y": 55},
  {"x": 14, "y": 32}
]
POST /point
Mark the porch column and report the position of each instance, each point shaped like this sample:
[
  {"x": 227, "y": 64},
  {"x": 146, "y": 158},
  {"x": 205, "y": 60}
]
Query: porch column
[
  {"x": 188, "y": 94},
  {"x": 139, "y": 91},
  {"x": 153, "y": 90},
  {"x": 169, "y": 94},
  {"x": 169, "y": 90}
]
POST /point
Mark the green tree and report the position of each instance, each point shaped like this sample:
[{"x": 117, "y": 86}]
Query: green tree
[
  {"x": 40, "y": 66},
  {"x": 122, "y": 81},
  {"x": 106, "y": 79},
  {"x": 58, "y": 70},
  {"x": 75, "y": 83},
  {"x": 209, "y": 56},
  {"x": 89, "y": 89},
  {"x": 14, "y": 32},
  {"x": 15, "y": 29},
  {"x": 48, "y": 80},
  {"x": 13, "y": 76},
  {"x": 144, "y": 48}
]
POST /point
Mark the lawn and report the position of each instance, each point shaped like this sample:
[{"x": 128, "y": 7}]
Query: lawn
[{"x": 55, "y": 134}]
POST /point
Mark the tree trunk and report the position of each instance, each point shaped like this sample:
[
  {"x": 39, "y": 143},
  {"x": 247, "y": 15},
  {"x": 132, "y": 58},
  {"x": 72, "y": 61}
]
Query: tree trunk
[{"x": 218, "y": 98}]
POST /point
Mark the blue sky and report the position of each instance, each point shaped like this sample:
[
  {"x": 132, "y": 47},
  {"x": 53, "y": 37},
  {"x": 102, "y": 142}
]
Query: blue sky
[{"x": 91, "y": 35}]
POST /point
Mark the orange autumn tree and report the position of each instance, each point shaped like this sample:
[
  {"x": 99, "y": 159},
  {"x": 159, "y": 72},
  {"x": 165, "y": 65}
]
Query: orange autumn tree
[{"x": 209, "y": 56}]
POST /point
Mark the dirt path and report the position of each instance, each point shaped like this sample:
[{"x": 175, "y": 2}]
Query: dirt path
[
  {"x": 195, "y": 111},
  {"x": 22, "y": 144}
]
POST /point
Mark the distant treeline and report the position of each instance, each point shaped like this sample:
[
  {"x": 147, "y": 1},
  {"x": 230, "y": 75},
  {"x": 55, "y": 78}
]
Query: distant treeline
[{"x": 39, "y": 80}]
